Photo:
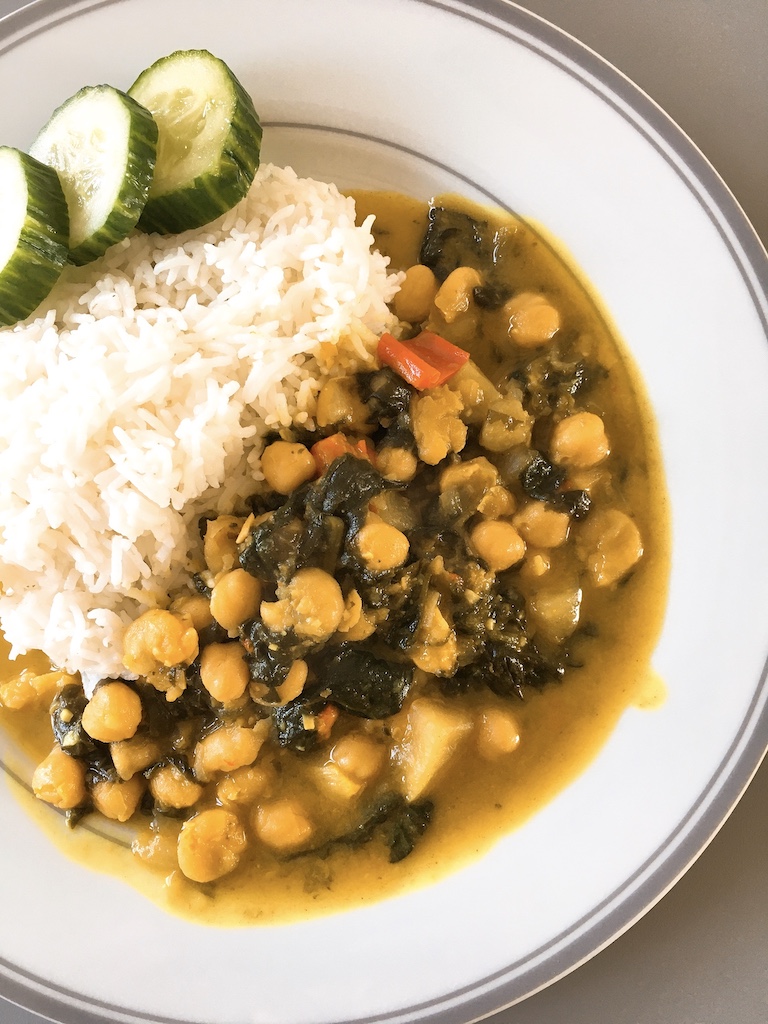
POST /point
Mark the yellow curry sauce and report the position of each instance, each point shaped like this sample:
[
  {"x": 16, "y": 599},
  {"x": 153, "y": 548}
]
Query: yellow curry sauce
[{"x": 561, "y": 728}]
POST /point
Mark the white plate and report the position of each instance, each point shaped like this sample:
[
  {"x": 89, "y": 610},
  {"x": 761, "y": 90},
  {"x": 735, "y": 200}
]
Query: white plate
[{"x": 422, "y": 95}]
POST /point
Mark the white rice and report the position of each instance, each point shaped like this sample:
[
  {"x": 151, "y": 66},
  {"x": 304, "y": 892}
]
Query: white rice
[{"x": 139, "y": 400}]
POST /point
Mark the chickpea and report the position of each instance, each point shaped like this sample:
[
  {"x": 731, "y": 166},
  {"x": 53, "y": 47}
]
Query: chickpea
[
  {"x": 555, "y": 608},
  {"x": 362, "y": 628},
  {"x": 194, "y": 607},
  {"x": 223, "y": 671},
  {"x": 498, "y": 544},
  {"x": 334, "y": 781},
  {"x": 316, "y": 603},
  {"x": 498, "y": 733},
  {"x": 437, "y": 424},
  {"x": 113, "y": 713},
  {"x": 580, "y": 441},
  {"x": 235, "y": 598},
  {"x": 134, "y": 755},
  {"x": 433, "y": 626},
  {"x": 282, "y": 824},
  {"x": 158, "y": 639},
  {"x": 397, "y": 464},
  {"x": 455, "y": 294},
  {"x": 359, "y": 757},
  {"x": 479, "y": 474},
  {"x": 118, "y": 800},
  {"x": 497, "y": 503},
  {"x": 394, "y": 508},
  {"x": 417, "y": 293},
  {"x": 60, "y": 780},
  {"x": 356, "y": 623},
  {"x": 542, "y": 527},
  {"x": 170, "y": 787},
  {"x": 437, "y": 659},
  {"x": 610, "y": 545},
  {"x": 382, "y": 547},
  {"x": 220, "y": 543},
  {"x": 17, "y": 693},
  {"x": 536, "y": 564},
  {"x": 250, "y": 523},
  {"x": 247, "y": 784},
  {"x": 476, "y": 392},
  {"x": 353, "y": 610},
  {"x": 435, "y": 649},
  {"x": 29, "y": 687},
  {"x": 226, "y": 749},
  {"x": 211, "y": 844},
  {"x": 276, "y": 615},
  {"x": 293, "y": 684},
  {"x": 339, "y": 404},
  {"x": 287, "y": 466},
  {"x": 506, "y": 425},
  {"x": 532, "y": 320},
  {"x": 155, "y": 844}
]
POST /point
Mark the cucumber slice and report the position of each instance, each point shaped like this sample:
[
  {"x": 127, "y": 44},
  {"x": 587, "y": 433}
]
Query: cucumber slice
[
  {"x": 103, "y": 144},
  {"x": 209, "y": 144},
  {"x": 34, "y": 230}
]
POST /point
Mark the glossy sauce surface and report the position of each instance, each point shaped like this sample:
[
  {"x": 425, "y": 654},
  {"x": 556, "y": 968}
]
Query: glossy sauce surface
[{"x": 562, "y": 728}]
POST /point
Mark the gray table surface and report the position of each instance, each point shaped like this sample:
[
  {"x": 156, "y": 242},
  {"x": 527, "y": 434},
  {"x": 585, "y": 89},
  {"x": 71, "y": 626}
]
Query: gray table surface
[{"x": 701, "y": 955}]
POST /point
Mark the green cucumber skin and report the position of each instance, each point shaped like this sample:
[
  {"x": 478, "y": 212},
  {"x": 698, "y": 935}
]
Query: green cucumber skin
[
  {"x": 211, "y": 195},
  {"x": 43, "y": 247},
  {"x": 134, "y": 191},
  {"x": 206, "y": 199}
]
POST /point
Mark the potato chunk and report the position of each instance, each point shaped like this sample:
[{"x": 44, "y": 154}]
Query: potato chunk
[{"x": 433, "y": 732}]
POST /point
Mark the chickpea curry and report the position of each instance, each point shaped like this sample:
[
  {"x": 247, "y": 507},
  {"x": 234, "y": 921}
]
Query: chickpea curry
[{"x": 423, "y": 620}]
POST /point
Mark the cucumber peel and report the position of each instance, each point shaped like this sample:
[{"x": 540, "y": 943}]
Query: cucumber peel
[
  {"x": 34, "y": 233},
  {"x": 209, "y": 140},
  {"x": 103, "y": 145}
]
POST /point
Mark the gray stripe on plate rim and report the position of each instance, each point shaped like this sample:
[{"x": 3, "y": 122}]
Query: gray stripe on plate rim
[{"x": 623, "y": 906}]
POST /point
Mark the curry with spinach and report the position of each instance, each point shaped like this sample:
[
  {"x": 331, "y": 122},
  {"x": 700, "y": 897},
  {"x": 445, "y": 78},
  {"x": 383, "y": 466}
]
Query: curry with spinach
[{"x": 436, "y": 594}]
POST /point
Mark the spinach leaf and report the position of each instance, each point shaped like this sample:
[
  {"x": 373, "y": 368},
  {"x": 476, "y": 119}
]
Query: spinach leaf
[
  {"x": 322, "y": 543},
  {"x": 67, "y": 722},
  {"x": 454, "y": 239},
  {"x": 577, "y": 504},
  {"x": 491, "y": 296},
  {"x": 345, "y": 491},
  {"x": 399, "y": 823},
  {"x": 406, "y": 828},
  {"x": 386, "y": 394},
  {"x": 540, "y": 479},
  {"x": 270, "y": 550},
  {"x": 308, "y": 530},
  {"x": 269, "y": 656},
  {"x": 363, "y": 684},
  {"x": 293, "y": 723}
]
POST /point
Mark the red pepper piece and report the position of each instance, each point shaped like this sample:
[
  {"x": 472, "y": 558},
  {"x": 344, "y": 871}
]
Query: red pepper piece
[
  {"x": 331, "y": 448},
  {"x": 424, "y": 361}
]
